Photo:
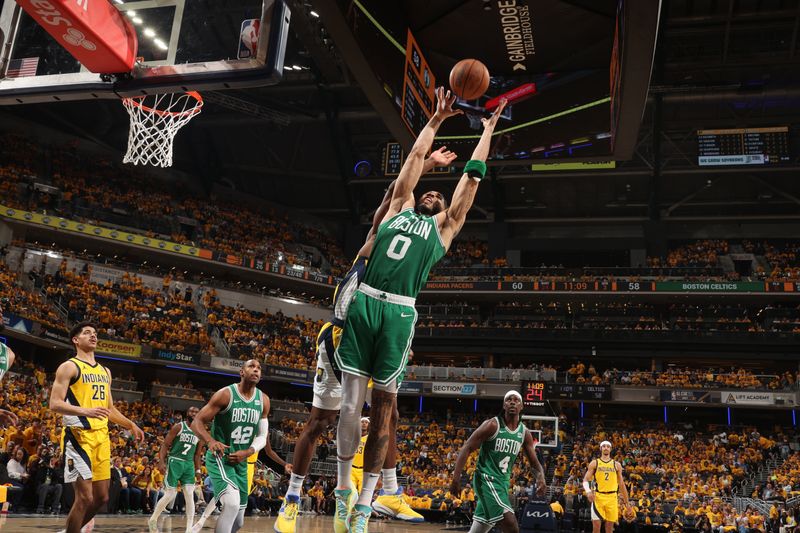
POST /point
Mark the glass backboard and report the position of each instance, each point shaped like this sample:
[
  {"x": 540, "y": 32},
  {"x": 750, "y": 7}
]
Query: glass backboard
[{"x": 183, "y": 44}]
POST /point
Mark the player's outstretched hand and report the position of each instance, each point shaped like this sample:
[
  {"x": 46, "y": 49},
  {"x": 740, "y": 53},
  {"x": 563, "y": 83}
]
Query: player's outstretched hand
[
  {"x": 491, "y": 122},
  {"x": 541, "y": 486},
  {"x": 216, "y": 447},
  {"x": 455, "y": 488},
  {"x": 444, "y": 104},
  {"x": 96, "y": 412},
  {"x": 238, "y": 457},
  {"x": 443, "y": 157},
  {"x": 137, "y": 432},
  {"x": 7, "y": 418}
]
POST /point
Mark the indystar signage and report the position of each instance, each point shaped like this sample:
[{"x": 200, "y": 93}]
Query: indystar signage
[
  {"x": 747, "y": 398},
  {"x": 459, "y": 389}
]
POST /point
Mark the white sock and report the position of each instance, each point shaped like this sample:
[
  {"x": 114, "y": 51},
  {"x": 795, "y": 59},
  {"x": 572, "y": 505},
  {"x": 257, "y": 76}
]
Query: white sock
[
  {"x": 295, "y": 485},
  {"x": 239, "y": 522},
  {"x": 212, "y": 504},
  {"x": 165, "y": 500},
  {"x": 229, "y": 513},
  {"x": 188, "y": 495},
  {"x": 344, "y": 469},
  {"x": 478, "y": 527},
  {"x": 389, "y": 480},
  {"x": 368, "y": 488}
]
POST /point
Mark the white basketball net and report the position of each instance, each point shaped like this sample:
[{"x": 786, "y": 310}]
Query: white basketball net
[{"x": 155, "y": 119}]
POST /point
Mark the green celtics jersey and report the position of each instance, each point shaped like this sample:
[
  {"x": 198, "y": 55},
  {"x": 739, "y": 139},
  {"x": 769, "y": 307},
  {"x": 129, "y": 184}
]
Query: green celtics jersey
[
  {"x": 406, "y": 248},
  {"x": 3, "y": 360},
  {"x": 184, "y": 445},
  {"x": 237, "y": 425},
  {"x": 498, "y": 454}
]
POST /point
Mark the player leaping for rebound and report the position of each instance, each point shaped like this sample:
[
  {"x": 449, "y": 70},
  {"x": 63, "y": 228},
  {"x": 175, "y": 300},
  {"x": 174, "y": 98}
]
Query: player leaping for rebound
[
  {"x": 328, "y": 391},
  {"x": 379, "y": 327},
  {"x": 500, "y": 440}
]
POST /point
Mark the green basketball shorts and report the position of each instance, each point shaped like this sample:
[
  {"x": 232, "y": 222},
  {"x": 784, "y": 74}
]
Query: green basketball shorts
[
  {"x": 179, "y": 471},
  {"x": 492, "y": 498},
  {"x": 377, "y": 337},
  {"x": 225, "y": 477}
]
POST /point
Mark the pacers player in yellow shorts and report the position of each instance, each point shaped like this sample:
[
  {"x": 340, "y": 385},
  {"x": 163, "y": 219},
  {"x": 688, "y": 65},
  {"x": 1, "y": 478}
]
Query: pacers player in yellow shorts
[
  {"x": 606, "y": 475},
  {"x": 82, "y": 395}
]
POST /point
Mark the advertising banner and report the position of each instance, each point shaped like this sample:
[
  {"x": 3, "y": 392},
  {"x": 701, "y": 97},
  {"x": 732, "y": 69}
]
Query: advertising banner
[
  {"x": 289, "y": 374},
  {"x": 747, "y": 398},
  {"x": 118, "y": 348},
  {"x": 178, "y": 357},
  {"x": 459, "y": 389},
  {"x": 685, "y": 396}
]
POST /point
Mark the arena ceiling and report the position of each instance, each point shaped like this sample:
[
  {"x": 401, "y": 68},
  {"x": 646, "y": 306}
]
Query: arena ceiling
[{"x": 718, "y": 63}]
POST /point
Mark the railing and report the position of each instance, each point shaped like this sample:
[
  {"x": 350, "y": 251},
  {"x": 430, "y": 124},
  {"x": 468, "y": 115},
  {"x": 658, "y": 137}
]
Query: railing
[{"x": 478, "y": 374}]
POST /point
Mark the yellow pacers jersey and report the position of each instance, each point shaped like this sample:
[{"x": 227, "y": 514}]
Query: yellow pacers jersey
[
  {"x": 358, "y": 460},
  {"x": 89, "y": 389},
  {"x": 605, "y": 476},
  {"x": 251, "y": 471}
]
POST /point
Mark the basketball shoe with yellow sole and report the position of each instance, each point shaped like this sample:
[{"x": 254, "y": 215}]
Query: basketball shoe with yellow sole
[{"x": 395, "y": 506}]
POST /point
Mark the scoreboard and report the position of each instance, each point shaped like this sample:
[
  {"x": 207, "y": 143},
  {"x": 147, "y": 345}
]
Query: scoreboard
[
  {"x": 419, "y": 89},
  {"x": 743, "y": 146},
  {"x": 536, "y": 393}
]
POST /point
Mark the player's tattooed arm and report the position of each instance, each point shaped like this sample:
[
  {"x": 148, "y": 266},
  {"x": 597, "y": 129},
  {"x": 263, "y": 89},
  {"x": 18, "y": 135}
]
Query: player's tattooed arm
[{"x": 530, "y": 453}]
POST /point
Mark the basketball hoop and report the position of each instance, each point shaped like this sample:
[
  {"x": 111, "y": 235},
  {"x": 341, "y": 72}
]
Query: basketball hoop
[{"x": 155, "y": 119}]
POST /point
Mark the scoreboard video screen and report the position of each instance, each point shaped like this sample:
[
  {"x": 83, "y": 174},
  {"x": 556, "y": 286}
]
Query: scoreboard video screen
[
  {"x": 743, "y": 146},
  {"x": 536, "y": 393}
]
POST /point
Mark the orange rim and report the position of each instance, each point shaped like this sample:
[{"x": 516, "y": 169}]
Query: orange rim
[{"x": 136, "y": 101}]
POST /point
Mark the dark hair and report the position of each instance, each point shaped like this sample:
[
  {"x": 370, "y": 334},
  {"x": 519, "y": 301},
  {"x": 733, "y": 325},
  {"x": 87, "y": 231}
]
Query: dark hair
[{"x": 77, "y": 328}]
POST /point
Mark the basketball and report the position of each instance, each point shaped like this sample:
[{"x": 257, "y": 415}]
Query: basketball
[{"x": 469, "y": 79}]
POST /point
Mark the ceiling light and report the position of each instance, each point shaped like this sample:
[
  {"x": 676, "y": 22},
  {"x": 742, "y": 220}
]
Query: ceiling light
[
  {"x": 131, "y": 13},
  {"x": 137, "y": 20},
  {"x": 160, "y": 44},
  {"x": 295, "y": 67},
  {"x": 313, "y": 13},
  {"x": 287, "y": 68},
  {"x": 149, "y": 32}
]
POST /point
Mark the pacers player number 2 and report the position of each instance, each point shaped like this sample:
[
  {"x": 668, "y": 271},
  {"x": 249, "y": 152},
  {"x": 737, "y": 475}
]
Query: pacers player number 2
[
  {"x": 400, "y": 241},
  {"x": 242, "y": 435}
]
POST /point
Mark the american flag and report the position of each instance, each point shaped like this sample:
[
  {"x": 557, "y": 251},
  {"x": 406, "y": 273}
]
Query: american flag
[{"x": 19, "y": 68}]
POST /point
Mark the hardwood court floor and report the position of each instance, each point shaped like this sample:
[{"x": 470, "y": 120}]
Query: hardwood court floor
[{"x": 177, "y": 524}]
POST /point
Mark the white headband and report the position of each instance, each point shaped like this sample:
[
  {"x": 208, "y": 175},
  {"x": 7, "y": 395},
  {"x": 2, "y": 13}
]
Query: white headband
[
  {"x": 512, "y": 393},
  {"x": 365, "y": 418},
  {"x": 605, "y": 443}
]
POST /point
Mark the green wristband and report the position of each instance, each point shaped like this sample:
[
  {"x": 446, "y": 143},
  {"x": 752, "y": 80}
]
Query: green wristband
[{"x": 475, "y": 169}]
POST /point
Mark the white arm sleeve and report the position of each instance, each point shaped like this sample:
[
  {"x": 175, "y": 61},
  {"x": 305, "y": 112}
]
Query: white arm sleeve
[
  {"x": 261, "y": 439},
  {"x": 586, "y": 486}
]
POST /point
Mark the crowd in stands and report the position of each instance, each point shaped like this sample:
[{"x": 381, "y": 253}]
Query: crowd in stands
[
  {"x": 89, "y": 188},
  {"x": 273, "y": 338},
  {"x": 16, "y": 300},
  {"x": 703, "y": 253},
  {"x": 623, "y": 316},
  {"x": 130, "y": 311},
  {"x": 676, "y": 476},
  {"x": 675, "y": 377}
]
